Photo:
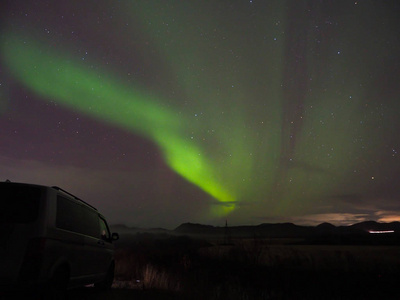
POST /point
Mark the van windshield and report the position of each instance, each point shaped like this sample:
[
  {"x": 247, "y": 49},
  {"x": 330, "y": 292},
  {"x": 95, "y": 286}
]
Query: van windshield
[{"x": 19, "y": 204}]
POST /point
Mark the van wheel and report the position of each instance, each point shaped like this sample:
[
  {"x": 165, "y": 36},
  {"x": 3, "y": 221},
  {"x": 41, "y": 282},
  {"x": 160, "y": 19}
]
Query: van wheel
[
  {"x": 57, "y": 288},
  {"x": 108, "y": 280}
]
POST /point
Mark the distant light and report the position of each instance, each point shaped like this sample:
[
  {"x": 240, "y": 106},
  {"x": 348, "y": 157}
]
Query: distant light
[{"x": 381, "y": 231}]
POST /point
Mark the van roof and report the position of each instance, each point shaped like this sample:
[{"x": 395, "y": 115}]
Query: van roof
[
  {"x": 53, "y": 187},
  {"x": 73, "y": 196}
]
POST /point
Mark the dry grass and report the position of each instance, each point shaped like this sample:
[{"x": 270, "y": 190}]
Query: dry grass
[
  {"x": 154, "y": 278},
  {"x": 256, "y": 269},
  {"x": 309, "y": 257}
]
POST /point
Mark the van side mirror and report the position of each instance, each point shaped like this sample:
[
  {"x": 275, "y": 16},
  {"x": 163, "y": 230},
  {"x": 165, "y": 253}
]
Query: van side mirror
[{"x": 114, "y": 236}]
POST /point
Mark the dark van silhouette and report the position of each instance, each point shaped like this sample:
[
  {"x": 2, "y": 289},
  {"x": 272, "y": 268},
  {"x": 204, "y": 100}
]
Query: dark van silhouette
[{"x": 52, "y": 239}]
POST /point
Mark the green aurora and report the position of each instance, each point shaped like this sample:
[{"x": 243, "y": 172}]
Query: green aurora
[
  {"x": 56, "y": 77},
  {"x": 238, "y": 130}
]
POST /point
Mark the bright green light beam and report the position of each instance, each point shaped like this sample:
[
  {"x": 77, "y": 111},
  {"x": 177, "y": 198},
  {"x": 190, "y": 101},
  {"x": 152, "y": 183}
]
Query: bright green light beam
[{"x": 58, "y": 77}]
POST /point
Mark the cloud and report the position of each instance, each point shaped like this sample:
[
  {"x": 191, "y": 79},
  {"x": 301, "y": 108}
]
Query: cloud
[
  {"x": 337, "y": 219},
  {"x": 334, "y": 218},
  {"x": 363, "y": 203},
  {"x": 387, "y": 216}
]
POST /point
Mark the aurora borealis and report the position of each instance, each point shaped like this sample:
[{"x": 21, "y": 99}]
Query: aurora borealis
[{"x": 163, "y": 112}]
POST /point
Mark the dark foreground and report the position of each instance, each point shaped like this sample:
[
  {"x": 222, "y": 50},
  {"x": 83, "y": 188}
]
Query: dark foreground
[
  {"x": 254, "y": 268},
  {"x": 120, "y": 294},
  {"x": 91, "y": 293},
  {"x": 313, "y": 288},
  {"x": 181, "y": 267},
  {"x": 297, "y": 285}
]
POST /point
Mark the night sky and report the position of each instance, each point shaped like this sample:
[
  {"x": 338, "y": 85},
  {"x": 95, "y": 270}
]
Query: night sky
[{"x": 164, "y": 112}]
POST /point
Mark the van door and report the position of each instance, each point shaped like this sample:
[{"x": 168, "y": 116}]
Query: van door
[
  {"x": 104, "y": 248},
  {"x": 73, "y": 222}
]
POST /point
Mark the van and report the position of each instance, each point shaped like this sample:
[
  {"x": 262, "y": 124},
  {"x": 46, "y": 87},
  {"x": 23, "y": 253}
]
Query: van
[{"x": 52, "y": 239}]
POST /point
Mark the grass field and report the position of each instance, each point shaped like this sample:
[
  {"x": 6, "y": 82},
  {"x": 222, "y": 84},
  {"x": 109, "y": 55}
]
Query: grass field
[{"x": 257, "y": 269}]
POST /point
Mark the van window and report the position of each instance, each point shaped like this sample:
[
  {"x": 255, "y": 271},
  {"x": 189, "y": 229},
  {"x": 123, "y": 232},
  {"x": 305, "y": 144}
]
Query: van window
[
  {"x": 76, "y": 217},
  {"x": 104, "y": 232},
  {"x": 19, "y": 204}
]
